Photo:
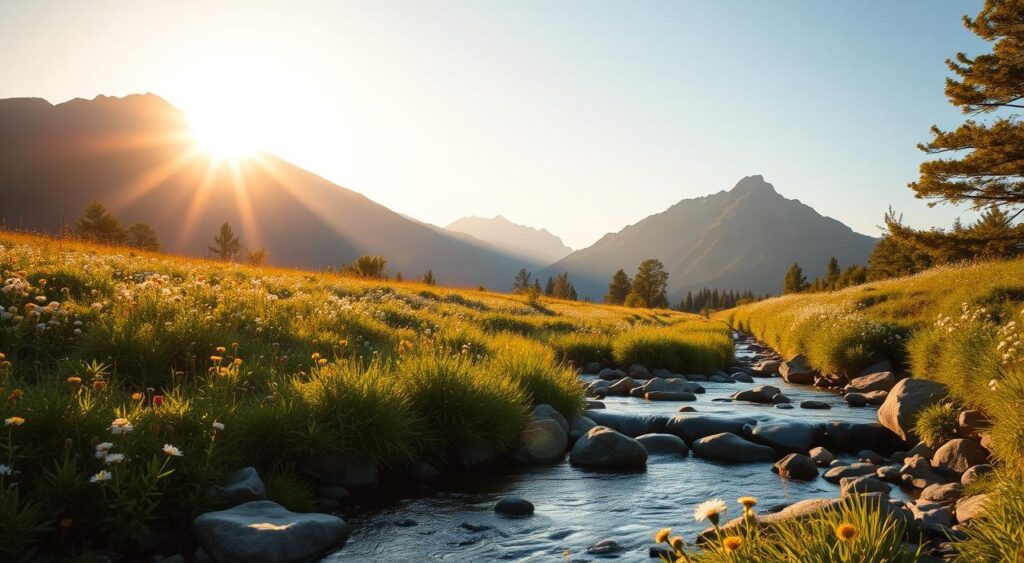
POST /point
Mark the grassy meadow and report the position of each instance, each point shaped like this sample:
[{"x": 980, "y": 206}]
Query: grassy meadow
[
  {"x": 132, "y": 382},
  {"x": 959, "y": 325}
]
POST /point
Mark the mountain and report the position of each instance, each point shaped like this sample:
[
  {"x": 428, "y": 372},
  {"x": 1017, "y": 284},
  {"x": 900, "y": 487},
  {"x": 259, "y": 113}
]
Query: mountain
[
  {"x": 135, "y": 155},
  {"x": 536, "y": 245},
  {"x": 744, "y": 238}
]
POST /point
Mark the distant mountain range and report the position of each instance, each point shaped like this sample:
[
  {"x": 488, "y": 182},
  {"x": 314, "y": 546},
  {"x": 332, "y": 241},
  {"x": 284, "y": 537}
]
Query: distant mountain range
[
  {"x": 528, "y": 243},
  {"x": 134, "y": 155},
  {"x": 745, "y": 238}
]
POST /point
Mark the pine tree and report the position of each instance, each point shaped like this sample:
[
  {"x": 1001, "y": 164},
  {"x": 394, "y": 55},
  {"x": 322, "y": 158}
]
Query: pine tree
[
  {"x": 98, "y": 225},
  {"x": 143, "y": 237},
  {"x": 618, "y": 288},
  {"x": 536, "y": 287},
  {"x": 226, "y": 245},
  {"x": 832, "y": 273},
  {"x": 795, "y": 281},
  {"x": 428, "y": 277},
  {"x": 521, "y": 282},
  {"x": 561, "y": 287},
  {"x": 651, "y": 283},
  {"x": 549, "y": 288},
  {"x": 688, "y": 302}
]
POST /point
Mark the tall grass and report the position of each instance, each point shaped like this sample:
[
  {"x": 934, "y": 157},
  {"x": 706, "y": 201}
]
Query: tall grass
[
  {"x": 534, "y": 368},
  {"x": 693, "y": 348}
]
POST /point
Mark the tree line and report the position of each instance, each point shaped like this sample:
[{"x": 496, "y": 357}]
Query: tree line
[{"x": 835, "y": 278}]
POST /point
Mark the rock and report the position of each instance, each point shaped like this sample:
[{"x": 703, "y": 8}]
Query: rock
[
  {"x": 474, "y": 527},
  {"x": 604, "y": 448},
  {"x": 623, "y": 387},
  {"x": 767, "y": 368},
  {"x": 985, "y": 438},
  {"x": 821, "y": 456},
  {"x": 597, "y": 388},
  {"x": 662, "y": 373},
  {"x": 695, "y": 426},
  {"x": 791, "y": 436},
  {"x": 971, "y": 423},
  {"x": 637, "y": 371},
  {"x": 695, "y": 377},
  {"x": 872, "y": 456},
  {"x": 729, "y": 447},
  {"x": 917, "y": 472},
  {"x": 906, "y": 399},
  {"x": 829, "y": 381},
  {"x": 548, "y": 411},
  {"x": 881, "y": 381},
  {"x": 943, "y": 494},
  {"x": 958, "y": 455},
  {"x": 862, "y": 485},
  {"x": 784, "y": 406},
  {"x": 855, "y": 399},
  {"x": 514, "y": 506},
  {"x": 675, "y": 385},
  {"x": 588, "y": 404},
  {"x": 592, "y": 367},
  {"x": 969, "y": 507},
  {"x": 796, "y": 466},
  {"x": 742, "y": 377},
  {"x": 241, "y": 486},
  {"x": 578, "y": 426},
  {"x": 605, "y": 547},
  {"x": 876, "y": 398},
  {"x": 781, "y": 399},
  {"x": 686, "y": 408},
  {"x": 542, "y": 441},
  {"x": 263, "y": 531},
  {"x": 843, "y": 436},
  {"x": 337, "y": 494},
  {"x": 889, "y": 474},
  {"x": 670, "y": 396},
  {"x": 719, "y": 378},
  {"x": 759, "y": 394},
  {"x": 796, "y": 370},
  {"x": 663, "y": 444},
  {"x": 880, "y": 367},
  {"x": 922, "y": 449},
  {"x": 809, "y": 508},
  {"x": 930, "y": 514},
  {"x": 975, "y": 473},
  {"x": 609, "y": 374},
  {"x": 815, "y": 405},
  {"x": 839, "y": 472},
  {"x": 629, "y": 424}
]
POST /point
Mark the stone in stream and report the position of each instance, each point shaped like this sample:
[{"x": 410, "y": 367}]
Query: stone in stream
[
  {"x": 597, "y": 388},
  {"x": 784, "y": 406},
  {"x": 759, "y": 394},
  {"x": 686, "y": 408},
  {"x": 821, "y": 456},
  {"x": 881, "y": 381},
  {"x": 917, "y": 472},
  {"x": 790, "y": 436},
  {"x": 906, "y": 399},
  {"x": 514, "y": 506},
  {"x": 670, "y": 396},
  {"x": 796, "y": 466},
  {"x": 959, "y": 455},
  {"x": 692, "y": 427},
  {"x": 629, "y": 424},
  {"x": 663, "y": 444},
  {"x": 589, "y": 404},
  {"x": 742, "y": 377},
  {"x": 871, "y": 456},
  {"x": 542, "y": 441},
  {"x": 815, "y": 405},
  {"x": 781, "y": 399},
  {"x": 592, "y": 367},
  {"x": 846, "y": 436},
  {"x": 889, "y": 474},
  {"x": 698, "y": 377},
  {"x": 605, "y": 547},
  {"x": 719, "y": 378},
  {"x": 609, "y": 374},
  {"x": 729, "y": 447},
  {"x": 840, "y": 472},
  {"x": 623, "y": 387},
  {"x": 796, "y": 370},
  {"x": 264, "y": 532},
  {"x": 578, "y": 426},
  {"x": 863, "y": 485},
  {"x": 876, "y": 398},
  {"x": 604, "y": 448},
  {"x": 766, "y": 368},
  {"x": 637, "y": 371},
  {"x": 547, "y": 411},
  {"x": 944, "y": 494},
  {"x": 856, "y": 399}
]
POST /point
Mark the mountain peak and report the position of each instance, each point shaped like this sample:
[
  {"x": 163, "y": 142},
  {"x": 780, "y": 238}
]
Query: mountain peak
[
  {"x": 753, "y": 184},
  {"x": 530, "y": 243}
]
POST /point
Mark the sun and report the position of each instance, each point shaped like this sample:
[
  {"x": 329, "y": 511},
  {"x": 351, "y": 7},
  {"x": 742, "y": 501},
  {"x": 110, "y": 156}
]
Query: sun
[{"x": 224, "y": 131}]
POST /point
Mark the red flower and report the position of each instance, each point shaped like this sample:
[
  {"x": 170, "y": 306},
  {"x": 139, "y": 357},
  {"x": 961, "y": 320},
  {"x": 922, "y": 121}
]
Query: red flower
[{"x": 158, "y": 400}]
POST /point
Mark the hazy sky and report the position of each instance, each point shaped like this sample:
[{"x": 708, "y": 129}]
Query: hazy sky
[{"x": 581, "y": 117}]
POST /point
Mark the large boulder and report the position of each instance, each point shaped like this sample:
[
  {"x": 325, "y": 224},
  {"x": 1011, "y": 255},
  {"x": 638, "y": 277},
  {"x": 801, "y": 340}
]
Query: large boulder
[
  {"x": 969, "y": 507},
  {"x": 759, "y": 394},
  {"x": 845, "y": 436},
  {"x": 609, "y": 374},
  {"x": 942, "y": 494},
  {"x": 542, "y": 441},
  {"x": 241, "y": 486},
  {"x": 839, "y": 472},
  {"x": 692, "y": 427},
  {"x": 623, "y": 387},
  {"x": 604, "y": 448},
  {"x": 881, "y": 381},
  {"x": 264, "y": 532},
  {"x": 959, "y": 455},
  {"x": 790, "y": 436},
  {"x": 663, "y": 444},
  {"x": 548, "y": 411},
  {"x": 796, "y": 466},
  {"x": 629, "y": 424},
  {"x": 579, "y": 425},
  {"x": 906, "y": 399},
  {"x": 729, "y": 447},
  {"x": 862, "y": 485},
  {"x": 796, "y": 370}
]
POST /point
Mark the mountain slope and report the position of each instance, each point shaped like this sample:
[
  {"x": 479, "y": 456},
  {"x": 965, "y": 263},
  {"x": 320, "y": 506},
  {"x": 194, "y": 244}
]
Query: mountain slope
[
  {"x": 536, "y": 245},
  {"x": 745, "y": 238},
  {"x": 134, "y": 154}
]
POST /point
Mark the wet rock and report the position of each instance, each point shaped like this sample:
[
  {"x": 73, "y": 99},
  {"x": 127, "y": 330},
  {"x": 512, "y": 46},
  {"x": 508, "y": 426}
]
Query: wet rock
[
  {"x": 695, "y": 426},
  {"x": 578, "y": 426},
  {"x": 975, "y": 473},
  {"x": 784, "y": 406},
  {"x": 930, "y": 514},
  {"x": 969, "y": 507},
  {"x": 695, "y": 377},
  {"x": 264, "y": 532},
  {"x": 637, "y": 371},
  {"x": 943, "y": 494},
  {"x": 604, "y": 448},
  {"x": 839, "y": 472},
  {"x": 855, "y": 399},
  {"x": 759, "y": 394},
  {"x": 721, "y": 400},
  {"x": 844, "y": 436},
  {"x": 881, "y": 381},
  {"x": 863, "y": 484},
  {"x": 821, "y": 456},
  {"x": 542, "y": 441},
  {"x": 686, "y": 408},
  {"x": 474, "y": 527},
  {"x": 605, "y": 547},
  {"x": 629, "y": 424},
  {"x": 670, "y": 396},
  {"x": 958, "y": 455},
  {"x": 588, "y": 404},
  {"x": 796, "y": 466},
  {"x": 241, "y": 486},
  {"x": 876, "y": 398},
  {"x": 906, "y": 399},
  {"x": 729, "y": 447},
  {"x": 791, "y": 436},
  {"x": 889, "y": 474},
  {"x": 918, "y": 473},
  {"x": 796, "y": 370},
  {"x": 662, "y": 373},
  {"x": 676, "y": 385},
  {"x": 971, "y": 423},
  {"x": 609, "y": 374},
  {"x": 597, "y": 388},
  {"x": 592, "y": 367},
  {"x": 623, "y": 387},
  {"x": 781, "y": 399},
  {"x": 815, "y": 405},
  {"x": 514, "y": 506},
  {"x": 663, "y": 444},
  {"x": 547, "y": 411},
  {"x": 742, "y": 377},
  {"x": 871, "y": 456},
  {"x": 767, "y": 368}
]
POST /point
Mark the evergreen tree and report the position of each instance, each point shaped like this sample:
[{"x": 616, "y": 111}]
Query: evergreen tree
[
  {"x": 428, "y": 277},
  {"x": 521, "y": 282},
  {"x": 536, "y": 287},
  {"x": 226, "y": 245},
  {"x": 399, "y": 277},
  {"x": 618, "y": 288},
  {"x": 371, "y": 267},
  {"x": 688, "y": 302},
  {"x": 832, "y": 273},
  {"x": 651, "y": 283},
  {"x": 795, "y": 281},
  {"x": 549, "y": 288},
  {"x": 562, "y": 286},
  {"x": 573, "y": 296},
  {"x": 98, "y": 225},
  {"x": 143, "y": 237}
]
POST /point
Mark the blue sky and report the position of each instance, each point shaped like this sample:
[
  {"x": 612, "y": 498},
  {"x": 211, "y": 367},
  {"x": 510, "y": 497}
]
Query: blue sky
[{"x": 581, "y": 117}]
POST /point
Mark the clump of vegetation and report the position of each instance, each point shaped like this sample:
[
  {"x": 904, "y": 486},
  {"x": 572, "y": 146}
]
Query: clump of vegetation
[
  {"x": 689, "y": 347},
  {"x": 936, "y": 424}
]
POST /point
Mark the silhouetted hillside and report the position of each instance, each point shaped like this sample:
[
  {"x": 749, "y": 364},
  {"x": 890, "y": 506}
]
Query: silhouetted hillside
[{"x": 536, "y": 245}]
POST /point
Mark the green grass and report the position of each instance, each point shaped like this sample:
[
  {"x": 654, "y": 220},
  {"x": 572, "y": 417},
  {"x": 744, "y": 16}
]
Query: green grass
[
  {"x": 690, "y": 347},
  {"x": 936, "y": 424}
]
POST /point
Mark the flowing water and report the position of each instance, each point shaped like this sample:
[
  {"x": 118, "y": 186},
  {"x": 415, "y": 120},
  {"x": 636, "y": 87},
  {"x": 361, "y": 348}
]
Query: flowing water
[{"x": 575, "y": 508}]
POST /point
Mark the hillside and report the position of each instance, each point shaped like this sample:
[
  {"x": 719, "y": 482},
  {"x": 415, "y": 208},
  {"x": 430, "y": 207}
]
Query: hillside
[
  {"x": 134, "y": 154},
  {"x": 744, "y": 238},
  {"x": 528, "y": 243}
]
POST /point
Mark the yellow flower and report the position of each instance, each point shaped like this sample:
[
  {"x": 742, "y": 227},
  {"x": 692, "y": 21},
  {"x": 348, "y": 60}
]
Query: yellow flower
[
  {"x": 662, "y": 535},
  {"x": 99, "y": 385},
  {"x": 322, "y": 362},
  {"x": 3, "y": 356},
  {"x": 74, "y": 380},
  {"x": 136, "y": 396},
  {"x": 14, "y": 421},
  {"x": 731, "y": 543},
  {"x": 221, "y": 349},
  {"x": 747, "y": 502},
  {"x": 846, "y": 531},
  {"x": 237, "y": 361},
  {"x": 676, "y": 543},
  {"x": 315, "y": 356},
  {"x": 15, "y": 395},
  {"x": 216, "y": 358}
]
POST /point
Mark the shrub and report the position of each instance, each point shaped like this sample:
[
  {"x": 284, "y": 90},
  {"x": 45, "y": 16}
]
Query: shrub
[
  {"x": 581, "y": 348},
  {"x": 284, "y": 488},
  {"x": 997, "y": 534},
  {"x": 936, "y": 424},
  {"x": 543, "y": 379},
  {"x": 674, "y": 349}
]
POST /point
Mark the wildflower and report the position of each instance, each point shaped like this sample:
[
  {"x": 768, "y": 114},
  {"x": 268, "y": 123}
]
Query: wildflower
[
  {"x": 104, "y": 446},
  {"x": 5, "y": 470},
  {"x": 218, "y": 426},
  {"x": 172, "y": 451},
  {"x": 14, "y": 421},
  {"x": 710, "y": 510},
  {"x": 846, "y": 531},
  {"x": 121, "y": 426},
  {"x": 221, "y": 349},
  {"x": 216, "y": 359},
  {"x": 747, "y": 502},
  {"x": 101, "y": 477},
  {"x": 158, "y": 400},
  {"x": 113, "y": 458},
  {"x": 74, "y": 380},
  {"x": 662, "y": 535},
  {"x": 321, "y": 362},
  {"x": 99, "y": 385},
  {"x": 677, "y": 543},
  {"x": 237, "y": 361},
  {"x": 15, "y": 395},
  {"x": 136, "y": 396},
  {"x": 731, "y": 543}
]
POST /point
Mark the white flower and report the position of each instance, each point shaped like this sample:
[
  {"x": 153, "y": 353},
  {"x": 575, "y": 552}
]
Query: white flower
[
  {"x": 113, "y": 458},
  {"x": 121, "y": 426},
  {"x": 100, "y": 477},
  {"x": 172, "y": 451},
  {"x": 104, "y": 446},
  {"x": 5, "y": 470},
  {"x": 710, "y": 510},
  {"x": 218, "y": 426}
]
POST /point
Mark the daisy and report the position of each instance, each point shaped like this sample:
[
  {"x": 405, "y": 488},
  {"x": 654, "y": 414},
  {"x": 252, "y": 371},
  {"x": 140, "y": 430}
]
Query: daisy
[
  {"x": 172, "y": 451},
  {"x": 121, "y": 426},
  {"x": 101, "y": 477},
  {"x": 5, "y": 470},
  {"x": 113, "y": 458},
  {"x": 710, "y": 510},
  {"x": 218, "y": 426}
]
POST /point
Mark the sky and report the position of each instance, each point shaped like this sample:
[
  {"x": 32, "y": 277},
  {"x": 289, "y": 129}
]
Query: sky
[{"x": 578, "y": 116}]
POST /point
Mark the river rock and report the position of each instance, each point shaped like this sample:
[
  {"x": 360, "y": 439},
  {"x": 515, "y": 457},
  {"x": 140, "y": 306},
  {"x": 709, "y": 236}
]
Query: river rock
[
  {"x": 821, "y": 456},
  {"x": 783, "y": 406},
  {"x": 729, "y": 447},
  {"x": 876, "y": 398},
  {"x": 662, "y": 373},
  {"x": 629, "y": 424},
  {"x": 579, "y": 425},
  {"x": 637, "y": 371},
  {"x": 809, "y": 508},
  {"x": 917, "y": 472},
  {"x": 815, "y": 405},
  {"x": 697, "y": 377},
  {"x": 969, "y": 507},
  {"x": 871, "y": 456},
  {"x": 958, "y": 455},
  {"x": 845, "y": 436},
  {"x": 592, "y": 367},
  {"x": 759, "y": 394},
  {"x": 742, "y": 377},
  {"x": 796, "y": 370},
  {"x": 542, "y": 441},
  {"x": 975, "y": 473},
  {"x": 548, "y": 411},
  {"x": 796, "y": 466},
  {"x": 241, "y": 486},
  {"x": 863, "y": 484},
  {"x": 930, "y": 513},
  {"x": 971, "y": 423},
  {"x": 514, "y": 506},
  {"x": 609, "y": 374},
  {"x": 889, "y": 474},
  {"x": 674, "y": 385},
  {"x": 670, "y": 396},
  {"x": 604, "y": 448},
  {"x": 781, "y": 399},
  {"x": 839, "y": 472},
  {"x": 767, "y": 368},
  {"x": 264, "y": 532},
  {"x": 589, "y": 404},
  {"x": 663, "y": 444},
  {"x": 623, "y": 387},
  {"x": 881, "y": 381},
  {"x": 790, "y": 436},
  {"x": 605, "y": 547},
  {"x": 597, "y": 388},
  {"x": 856, "y": 399},
  {"x": 944, "y": 494},
  {"x": 906, "y": 399},
  {"x": 696, "y": 426},
  {"x": 686, "y": 408}
]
